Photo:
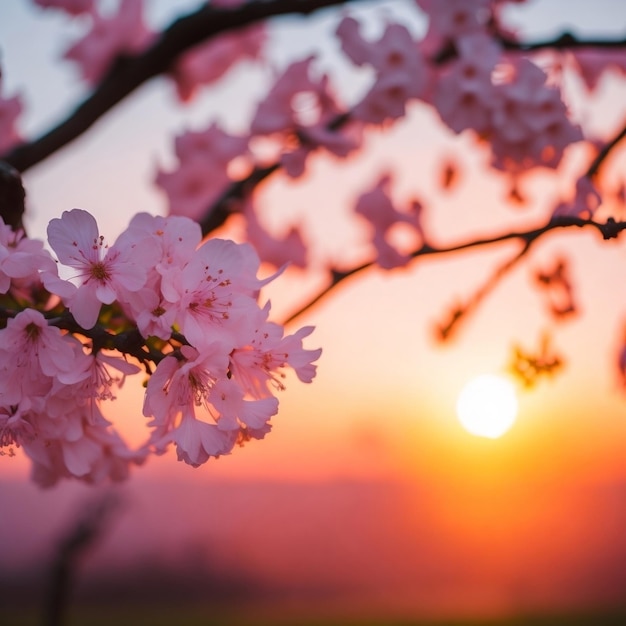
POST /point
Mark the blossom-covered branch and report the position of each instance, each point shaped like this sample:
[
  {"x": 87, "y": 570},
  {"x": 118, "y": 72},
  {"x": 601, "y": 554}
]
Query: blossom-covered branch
[
  {"x": 130, "y": 72},
  {"x": 160, "y": 295}
]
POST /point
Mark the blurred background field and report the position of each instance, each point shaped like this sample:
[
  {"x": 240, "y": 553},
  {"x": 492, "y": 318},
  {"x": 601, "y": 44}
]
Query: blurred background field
[
  {"x": 142, "y": 616},
  {"x": 323, "y": 552}
]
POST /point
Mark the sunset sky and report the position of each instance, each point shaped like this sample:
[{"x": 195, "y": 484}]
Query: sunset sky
[{"x": 368, "y": 488}]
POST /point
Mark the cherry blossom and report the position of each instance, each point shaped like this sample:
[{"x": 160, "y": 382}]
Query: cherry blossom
[
  {"x": 456, "y": 17},
  {"x": 208, "y": 62},
  {"x": 197, "y": 441},
  {"x": 452, "y": 20},
  {"x": 530, "y": 124},
  {"x": 259, "y": 364},
  {"x": 165, "y": 290},
  {"x": 21, "y": 259},
  {"x": 395, "y": 52},
  {"x": 377, "y": 208},
  {"x": 101, "y": 382},
  {"x": 401, "y": 71},
  {"x": 96, "y": 453},
  {"x": 178, "y": 394},
  {"x": 202, "y": 173},
  {"x": 464, "y": 92},
  {"x": 215, "y": 291},
  {"x": 288, "y": 250},
  {"x": 101, "y": 271},
  {"x": 36, "y": 345},
  {"x": 173, "y": 241},
  {"x": 304, "y": 107},
  {"x": 14, "y": 429},
  {"x": 110, "y": 37}
]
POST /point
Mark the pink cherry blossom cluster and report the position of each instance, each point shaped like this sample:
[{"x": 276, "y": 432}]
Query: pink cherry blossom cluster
[
  {"x": 460, "y": 67},
  {"x": 208, "y": 62},
  {"x": 297, "y": 109},
  {"x": 400, "y": 69},
  {"x": 504, "y": 99},
  {"x": 202, "y": 172},
  {"x": 377, "y": 208},
  {"x": 159, "y": 299}
]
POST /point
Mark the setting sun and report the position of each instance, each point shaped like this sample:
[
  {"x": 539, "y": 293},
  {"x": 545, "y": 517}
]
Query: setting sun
[{"x": 487, "y": 406}]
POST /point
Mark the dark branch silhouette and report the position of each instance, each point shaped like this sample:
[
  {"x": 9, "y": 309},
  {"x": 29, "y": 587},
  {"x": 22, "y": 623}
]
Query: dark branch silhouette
[
  {"x": 12, "y": 196},
  {"x": 604, "y": 153},
  {"x": 609, "y": 230},
  {"x": 565, "y": 41},
  {"x": 459, "y": 313}
]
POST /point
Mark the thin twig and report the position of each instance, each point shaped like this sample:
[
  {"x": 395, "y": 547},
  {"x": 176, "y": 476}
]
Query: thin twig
[
  {"x": 609, "y": 230},
  {"x": 604, "y": 153},
  {"x": 460, "y": 312}
]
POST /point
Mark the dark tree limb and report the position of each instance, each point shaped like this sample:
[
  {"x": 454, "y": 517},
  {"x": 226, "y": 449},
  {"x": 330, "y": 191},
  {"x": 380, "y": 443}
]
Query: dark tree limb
[
  {"x": 565, "y": 41},
  {"x": 12, "y": 196},
  {"x": 128, "y": 73}
]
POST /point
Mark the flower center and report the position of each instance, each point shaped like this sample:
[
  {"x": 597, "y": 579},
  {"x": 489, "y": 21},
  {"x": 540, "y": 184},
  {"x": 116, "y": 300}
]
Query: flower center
[
  {"x": 32, "y": 331},
  {"x": 99, "y": 271}
]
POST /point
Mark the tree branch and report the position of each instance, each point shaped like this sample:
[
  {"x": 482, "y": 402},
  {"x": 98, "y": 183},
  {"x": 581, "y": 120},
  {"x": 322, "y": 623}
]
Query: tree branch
[
  {"x": 604, "y": 153},
  {"x": 229, "y": 201},
  {"x": 128, "y": 73},
  {"x": 12, "y": 196},
  {"x": 128, "y": 341},
  {"x": 609, "y": 230},
  {"x": 565, "y": 41},
  {"x": 460, "y": 312}
]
